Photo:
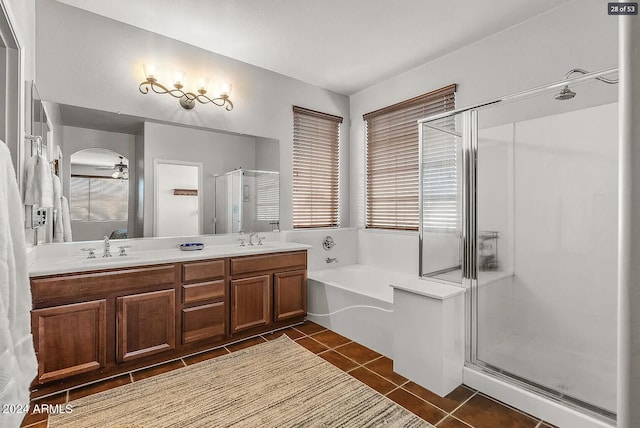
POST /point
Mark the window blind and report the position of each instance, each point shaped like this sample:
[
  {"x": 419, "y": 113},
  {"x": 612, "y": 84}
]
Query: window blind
[
  {"x": 98, "y": 199},
  {"x": 392, "y": 159},
  {"x": 316, "y": 173},
  {"x": 267, "y": 196}
]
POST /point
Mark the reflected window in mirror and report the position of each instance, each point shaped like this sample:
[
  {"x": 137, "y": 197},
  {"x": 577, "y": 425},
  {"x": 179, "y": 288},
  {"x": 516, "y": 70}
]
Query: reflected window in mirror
[{"x": 99, "y": 194}]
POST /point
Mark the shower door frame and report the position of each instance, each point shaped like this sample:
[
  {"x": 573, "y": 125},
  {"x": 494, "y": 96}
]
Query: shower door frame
[{"x": 469, "y": 239}]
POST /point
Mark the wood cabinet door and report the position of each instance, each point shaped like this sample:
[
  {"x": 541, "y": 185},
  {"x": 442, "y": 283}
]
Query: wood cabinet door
[
  {"x": 290, "y": 295},
  {"x": 251, "y": 302},
  {"x": 70, "y": 339},
  {"x": 146, "y": 324}
]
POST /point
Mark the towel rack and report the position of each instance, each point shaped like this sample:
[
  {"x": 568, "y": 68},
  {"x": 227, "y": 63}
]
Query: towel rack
[{"x": 38, "y": 140}]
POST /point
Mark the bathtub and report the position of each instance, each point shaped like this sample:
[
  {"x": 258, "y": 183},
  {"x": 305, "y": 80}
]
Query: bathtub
[{"x": 355, "y": 301}]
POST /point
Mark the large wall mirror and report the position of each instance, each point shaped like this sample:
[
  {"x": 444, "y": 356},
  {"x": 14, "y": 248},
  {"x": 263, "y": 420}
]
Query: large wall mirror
[{"x": 109, "y": 172}]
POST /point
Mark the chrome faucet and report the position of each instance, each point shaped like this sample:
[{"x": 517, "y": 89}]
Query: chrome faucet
[
  {"x": 332, "y": 260},
  {"x": 107, "y": 247},
  {"x": 251, "y": 235}
]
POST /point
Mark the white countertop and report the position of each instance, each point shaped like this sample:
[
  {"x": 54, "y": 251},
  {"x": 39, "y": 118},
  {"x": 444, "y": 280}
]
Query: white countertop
[
  {"x": 80, "y": 263},
  {"x": 433, "y": 289}
]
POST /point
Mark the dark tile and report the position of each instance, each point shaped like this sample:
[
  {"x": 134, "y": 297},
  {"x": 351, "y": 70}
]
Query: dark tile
[
  {"x": 330, "y": 339},
  {"x": 245, "y": 344},
  {"x": 358, "y": 353},
  {"x": 452, "y": 422},
  {"x": 205, "y": 356},
  {"x": 153, "y": 371},
  {"x": 448, "y": 403},
  {"x": 418, "y": 406},
  {"x": 94, "y": 388},
  {"x": 338, "y": 360},
  {"x": 309, "y": 327},
  {"x": 384, "y": 367},
  {"x": 482, "y": 412},
  {"x": 376, "y": 382},
  {"x": 291, "y": 332},
  {"x": 37, "y": 413},
  {"x": 312, "y": 345}
]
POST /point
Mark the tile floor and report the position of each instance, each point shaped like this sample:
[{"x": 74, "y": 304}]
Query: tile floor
[{"x": 462, "y": 408}]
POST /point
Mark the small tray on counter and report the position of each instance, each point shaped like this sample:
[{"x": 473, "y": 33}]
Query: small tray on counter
[{"x": 191, "y": 246}]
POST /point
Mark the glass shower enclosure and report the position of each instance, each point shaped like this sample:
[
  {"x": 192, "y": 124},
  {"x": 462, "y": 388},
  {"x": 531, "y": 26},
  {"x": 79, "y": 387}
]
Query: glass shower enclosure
[
  {"x": 518, "y": 204},
  {"x": 247, "y": 200}
]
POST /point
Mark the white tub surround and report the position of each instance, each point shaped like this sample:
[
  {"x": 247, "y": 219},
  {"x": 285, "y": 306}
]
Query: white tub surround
[
  {"x": 428, "y": 333},
  {"x": 66, "y": 258},
  {"x": 344, "y": 250},
  {"x": 355, "y": 301}
]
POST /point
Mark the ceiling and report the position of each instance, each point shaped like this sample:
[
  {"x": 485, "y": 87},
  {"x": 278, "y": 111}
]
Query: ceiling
[
  {"x": 96, "y": 157},
  {"x": 101, "y": 120},
  {"x": 341, "y": 45}
]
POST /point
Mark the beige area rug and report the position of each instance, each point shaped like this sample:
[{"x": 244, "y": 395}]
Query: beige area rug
[{"x": 274, "y": 384}]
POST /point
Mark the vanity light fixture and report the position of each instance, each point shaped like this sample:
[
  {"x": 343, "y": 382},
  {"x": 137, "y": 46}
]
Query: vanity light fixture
[{"x": 187, "y": 99}]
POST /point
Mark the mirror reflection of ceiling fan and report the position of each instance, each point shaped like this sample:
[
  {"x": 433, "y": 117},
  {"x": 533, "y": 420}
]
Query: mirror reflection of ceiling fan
[{"x": 120, "y": 170}]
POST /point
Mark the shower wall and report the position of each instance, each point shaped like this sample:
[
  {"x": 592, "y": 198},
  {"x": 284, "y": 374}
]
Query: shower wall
[
  {"x": 566, "y": 218},
  {"x": 548, "y": 186}
]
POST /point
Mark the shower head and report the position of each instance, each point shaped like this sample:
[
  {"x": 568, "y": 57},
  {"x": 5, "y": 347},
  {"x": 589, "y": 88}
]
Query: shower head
[{"x": 565, "y": 94}]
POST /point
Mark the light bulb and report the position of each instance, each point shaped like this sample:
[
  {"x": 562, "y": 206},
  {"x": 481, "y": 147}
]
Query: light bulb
[
  {"x": 150, "y": 72},
  {"x": 115, "y": 174},
  {"x": 225, "y": 89},
  {"x": 203, "y": 83},
  {"x": 178, "y": 80}
]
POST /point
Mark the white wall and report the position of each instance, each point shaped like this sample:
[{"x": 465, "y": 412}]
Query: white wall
[
  {"x": 90, "y": 61},
  {"x": 218, "y": 152},
  {"x": 267, "y": 154},
  {"x": 535, "y": 52},
  {"x": 394, "y": 251},
  {"x": 345, "y": 248}
]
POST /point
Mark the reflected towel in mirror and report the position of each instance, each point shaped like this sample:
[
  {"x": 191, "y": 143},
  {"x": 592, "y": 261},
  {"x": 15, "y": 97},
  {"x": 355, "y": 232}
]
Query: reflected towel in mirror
[{"x": 38, "y": 182}]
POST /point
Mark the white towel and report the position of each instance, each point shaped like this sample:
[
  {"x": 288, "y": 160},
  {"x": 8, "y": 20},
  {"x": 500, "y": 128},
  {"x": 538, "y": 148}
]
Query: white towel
[
  {"x": 38, "y": 182},
  {"x": 18, "y": 364},
  {"x": 58, "y": 224},
  {"x": 66, "y": 220}
]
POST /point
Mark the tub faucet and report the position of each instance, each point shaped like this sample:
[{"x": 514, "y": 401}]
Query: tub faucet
[
  {"x": 332, "y": 260},
  {"x": 107, "y": 247}
]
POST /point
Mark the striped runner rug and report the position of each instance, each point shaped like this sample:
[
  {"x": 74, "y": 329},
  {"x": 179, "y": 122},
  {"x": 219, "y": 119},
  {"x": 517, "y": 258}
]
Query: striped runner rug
[{"x": 274, "y": 384}]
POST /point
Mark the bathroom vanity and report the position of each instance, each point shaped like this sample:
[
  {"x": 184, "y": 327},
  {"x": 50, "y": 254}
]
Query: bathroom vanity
[{"x": 95, "y": 323}]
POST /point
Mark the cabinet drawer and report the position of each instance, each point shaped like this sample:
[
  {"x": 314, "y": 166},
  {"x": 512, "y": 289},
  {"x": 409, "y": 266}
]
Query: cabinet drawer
[
  {"x": 202, "y": 291},
  {"x": 203, "y": 322},
  {"x": 203, "y": 271},
  {"x": 73, "y": 288},
  {"x": 297, "y": 260}
]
